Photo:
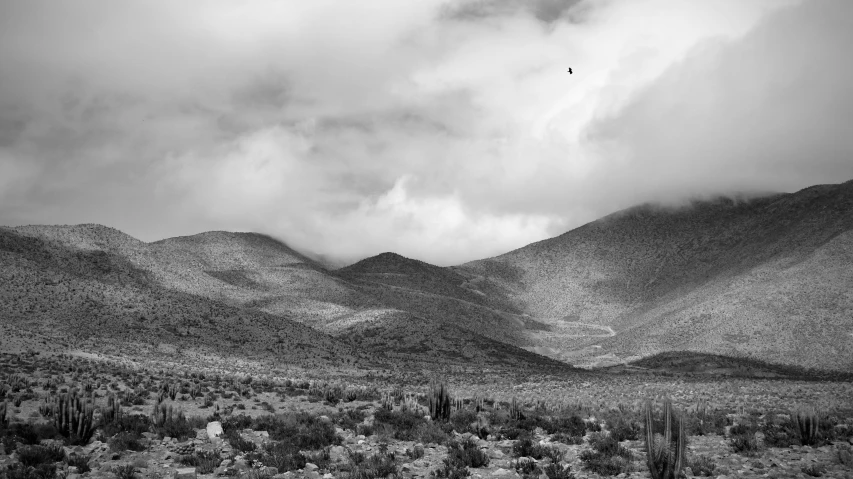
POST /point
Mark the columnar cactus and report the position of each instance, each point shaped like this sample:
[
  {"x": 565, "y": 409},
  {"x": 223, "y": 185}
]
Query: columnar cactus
[
  {"x": 72, "y": 415},
  {"x": 439, "y": 402},
  {"x": 3, "y": 421},
  {"x": 112, "y": 412},
  {"x": 807, "y": 425},
  {"x": 665, "y": 459},
  {"x": 515, "y": 410}
]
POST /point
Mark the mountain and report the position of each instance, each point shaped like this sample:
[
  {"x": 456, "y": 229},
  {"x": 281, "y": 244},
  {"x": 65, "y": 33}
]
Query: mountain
[
  {"x": 246, "y": 293},
  {"x": 760, "y": 278},
  {"x": 767, "y": 277}
]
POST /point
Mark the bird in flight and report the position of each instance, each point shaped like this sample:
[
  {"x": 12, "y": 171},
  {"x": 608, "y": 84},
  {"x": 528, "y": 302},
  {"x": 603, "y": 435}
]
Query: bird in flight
[{"x": 570, "y": 71}]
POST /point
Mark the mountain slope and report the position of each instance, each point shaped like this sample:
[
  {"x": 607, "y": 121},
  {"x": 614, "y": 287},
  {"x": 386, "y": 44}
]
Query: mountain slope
[
  {"x": 768, "y": 277},
  {"x": 90, "y": 280},
  {"x": 91, "y": 296}
]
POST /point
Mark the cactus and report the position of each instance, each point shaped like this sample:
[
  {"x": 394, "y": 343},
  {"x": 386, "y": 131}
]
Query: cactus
[
  {"x": 161, "y": 413},
  {"x": 439, "y": 402},
  {"x": 515, "y": 410},
  {"x": 72, "y": 415},
  {"x": 195, "y": 391},
  {"x": 807, "y": 425},
  {"x": 664, "y": 460},
  {"x": 112, "y": 412},
  {"x": 4, "y": 423},
  {"x": 387, "y": 401}
]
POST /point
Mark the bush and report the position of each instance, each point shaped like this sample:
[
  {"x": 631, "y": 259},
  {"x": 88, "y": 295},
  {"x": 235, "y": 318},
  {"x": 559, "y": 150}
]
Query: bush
[
  {"x": 19, "y": 471},
  {"x": 80, "y": 462},
  {"x": 702, "y": 466},
  {"x": 567, "y": 439},
  {"x": 284, "y": 456},
  {"x": 126, "y": 471},
  {"x": 607, "y": 457},
  {"x": 205, "y": 462},
  {"x": 624, "y": 430},
  {"x": 416, "y": 453},
  {"x": 557, "y": 471},
  {"x": 430, "y": 433},
  {"x": 464, "y": 420},
  {"x": 467, "y": 453},
  {"x": 126, "y": 441},
  {"x": 742, "y": 440},
  {"x": 135, "y": 423},
  {"x": 31, "y": 456},
  {"x": 381, "y": 464},
  {"x": 300, "y": 429},
  {"x": 403, "y": 423}
]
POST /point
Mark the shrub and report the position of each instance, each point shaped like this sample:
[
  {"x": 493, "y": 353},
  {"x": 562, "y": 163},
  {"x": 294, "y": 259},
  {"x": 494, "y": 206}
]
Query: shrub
[
  {"x": 205, "y": 462},
  {"x": 238, "y": 443},
  {"x": 702, "y": 466},
  {"x": 567, "y": 439},
  {"x": 527, "y": 468},
  {"x": 814, "y": 470},
  {"x": 467, "y": 453},
  {"x": 403, "y": 423},
  {"x": 31, "y": 456},
  {"x": 80, "y": 462},
  {"x": 416, "y": 453},
  {"x": 607, "y": 457},
  {"x": 301, "y": 429},
  {"x": 742, "y": 440},
  {"x": 464, "y": 420},
  {"x": 135, "y": 423},
  {"x": 126, "y": 441},
  {"x": 19, "y": 471},
  {"x": 381, "y": 464},
  {"x": 557, "y": 471},
  {"x": 624, "y": 430},
  {"x": 126, "y": 471},
  {"x": 284, "y": 456}
]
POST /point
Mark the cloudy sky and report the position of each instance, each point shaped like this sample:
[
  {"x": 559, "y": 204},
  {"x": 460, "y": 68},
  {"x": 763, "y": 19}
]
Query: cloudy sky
[{"x": 445, "y": 130}]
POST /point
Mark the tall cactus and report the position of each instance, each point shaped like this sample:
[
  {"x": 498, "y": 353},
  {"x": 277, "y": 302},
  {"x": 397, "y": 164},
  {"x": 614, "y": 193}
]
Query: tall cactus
[
  {"x": 439, "y": 402},
  {"x": 4, "y": 423},
  {"x": 807, "y": 425},
  {"x": 72, "y": 415},
  {"x": 515, "y": 410},
  {"x": 664, "y": 461},
  {"x": 112, "y": 412}
]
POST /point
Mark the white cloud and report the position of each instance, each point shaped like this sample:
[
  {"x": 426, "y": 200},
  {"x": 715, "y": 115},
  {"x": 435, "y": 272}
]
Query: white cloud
[{"x": 359, "y": 127}]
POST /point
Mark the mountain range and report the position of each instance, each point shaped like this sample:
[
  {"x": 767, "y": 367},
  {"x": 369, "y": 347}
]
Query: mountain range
[{"x": 768, "y": 277}]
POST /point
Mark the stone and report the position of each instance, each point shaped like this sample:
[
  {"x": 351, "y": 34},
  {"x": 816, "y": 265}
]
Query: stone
[
  {"x": 500, "y": 472},
  {"x": 310, "y": 466},
  {"x": 214, "y": 429},
  {"x": 496, "y": 454},
  {"x": 185, "y": 473}
]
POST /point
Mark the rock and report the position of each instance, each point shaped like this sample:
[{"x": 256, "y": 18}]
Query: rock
[
  {"x": 310, "y": 466},
  {"x": 312, "y": 475},
  {"x": 500, "y": 472},
  {"x": 496, "y": 454},
  {"x": 214, "y": 429},
  {"x": 270, "y": 470},
  {"x": 185, "y": 473}
]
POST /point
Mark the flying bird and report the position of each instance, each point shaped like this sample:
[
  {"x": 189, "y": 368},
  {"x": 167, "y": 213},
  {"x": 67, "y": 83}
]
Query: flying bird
[{"x": 570, "y": 71}]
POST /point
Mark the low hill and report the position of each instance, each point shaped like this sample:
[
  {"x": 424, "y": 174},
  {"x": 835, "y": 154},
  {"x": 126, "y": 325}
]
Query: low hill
[{"x": 235, "y": 290}]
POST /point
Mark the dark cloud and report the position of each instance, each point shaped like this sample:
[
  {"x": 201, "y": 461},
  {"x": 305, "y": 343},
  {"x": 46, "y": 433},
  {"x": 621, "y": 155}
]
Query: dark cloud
[{"x": 546, "y": 11}]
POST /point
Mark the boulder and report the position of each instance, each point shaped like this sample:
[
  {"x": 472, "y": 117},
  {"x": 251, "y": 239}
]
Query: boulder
[
  {"x": 214, "y": 429},
  {"x": 185, "y": 473}
]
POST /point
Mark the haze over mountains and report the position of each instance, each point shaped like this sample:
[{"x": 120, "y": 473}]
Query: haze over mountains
[{"x": 768, "y": 277}]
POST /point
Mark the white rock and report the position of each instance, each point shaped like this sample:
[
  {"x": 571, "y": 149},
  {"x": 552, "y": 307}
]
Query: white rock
[{"x": 214, "y": 429}]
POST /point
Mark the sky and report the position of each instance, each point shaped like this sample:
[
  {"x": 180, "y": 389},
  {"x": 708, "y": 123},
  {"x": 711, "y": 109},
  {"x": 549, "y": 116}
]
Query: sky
[{"x": 445, "y": 131}]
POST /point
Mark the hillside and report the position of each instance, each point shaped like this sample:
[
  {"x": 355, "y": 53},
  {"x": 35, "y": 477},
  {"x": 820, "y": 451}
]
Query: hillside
[
  {"x": 91, "y": 297},
  {"x": 766, "y": 277},
  {"x": 241, "y": 292}
]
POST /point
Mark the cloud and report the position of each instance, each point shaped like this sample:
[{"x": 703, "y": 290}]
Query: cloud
[{"x": 446, "y": 131}]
